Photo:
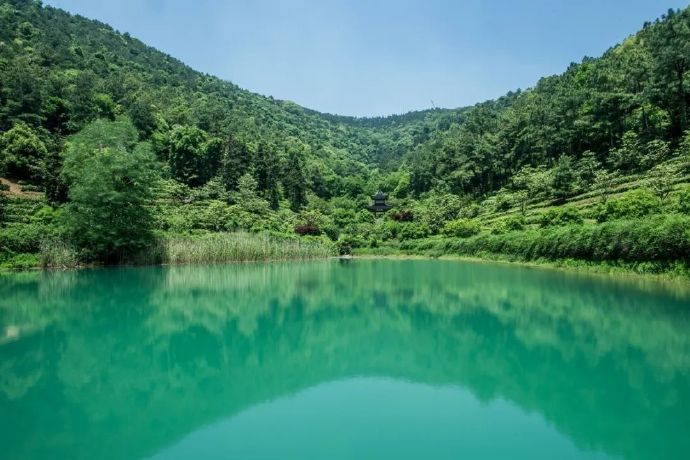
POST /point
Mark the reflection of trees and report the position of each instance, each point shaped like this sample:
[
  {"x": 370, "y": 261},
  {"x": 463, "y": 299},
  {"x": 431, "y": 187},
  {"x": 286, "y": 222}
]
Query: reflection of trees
[{"x": 124, "y": 350}]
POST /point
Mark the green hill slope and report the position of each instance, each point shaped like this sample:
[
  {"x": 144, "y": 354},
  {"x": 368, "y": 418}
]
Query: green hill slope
[{"x": 224, "y": 158}]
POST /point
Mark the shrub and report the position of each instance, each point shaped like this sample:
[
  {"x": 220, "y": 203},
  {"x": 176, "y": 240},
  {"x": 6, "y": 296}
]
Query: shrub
[
  {"x": 635, "y": 204},
  {"x": 461, "y": 228},
  {"x": 561, "y": 216},
  {"x": 511, "y": 224},
  {"x": 403, "y": 216},
  {"x": 346, "y": 243},
  {"x": 307, "y": 229},
  {"x": 502, "y": 203},
  {"x": 413, "y": 231},
  {"x": 22, "y": 238},
  {"x": 683, "y": 201}
]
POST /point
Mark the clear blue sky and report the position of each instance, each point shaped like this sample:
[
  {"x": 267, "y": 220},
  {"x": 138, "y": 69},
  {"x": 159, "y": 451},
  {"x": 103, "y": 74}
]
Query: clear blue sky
[{"x": 377, "y": 57}]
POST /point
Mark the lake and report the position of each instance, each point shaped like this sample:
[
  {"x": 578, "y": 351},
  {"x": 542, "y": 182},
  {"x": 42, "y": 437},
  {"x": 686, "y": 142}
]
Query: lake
[{"x": 351, "y": 359}]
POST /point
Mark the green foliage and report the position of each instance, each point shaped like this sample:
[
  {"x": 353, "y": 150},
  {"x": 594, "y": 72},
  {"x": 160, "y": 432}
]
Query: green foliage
[
  {"x": 3, "y": 206},
  {"x": 189, "y": 152},
  {"x": 662, "y": 238},
  {"x": 346, "y": 243},
  {"x": 635, "y": 204},
  {"x": 628, "y": 156},
  {"x": 683, "y": 200},
  {"x": 437, "y": 209},
  {"x": 603, "y": 184},
  {"x": 564, "y": 178},
  {"x": 22, "y": 153},
  {"x": 461, "y": 228},
  {"x": 109, "y": 177},
  {"x": 413, "y": 231},
  {"x": 510, "y": 224},
  {"x": 663, "y": 178},
  {"x": 561, "y": 216},
  {"x": 294, "y": 182}
]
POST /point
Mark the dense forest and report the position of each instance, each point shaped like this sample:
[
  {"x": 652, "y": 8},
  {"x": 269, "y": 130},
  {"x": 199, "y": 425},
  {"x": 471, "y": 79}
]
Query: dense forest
[{"x": 109, "y": 148}]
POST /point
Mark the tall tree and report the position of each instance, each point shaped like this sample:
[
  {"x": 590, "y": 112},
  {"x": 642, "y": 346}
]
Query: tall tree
[
  {"x": 109, "y": 175},
  {"x": 184, "y": 148},
  {"x": 236, "y": 159},
  {"x": 267, "y": 168},
  {"x": 294, "y": 181}
]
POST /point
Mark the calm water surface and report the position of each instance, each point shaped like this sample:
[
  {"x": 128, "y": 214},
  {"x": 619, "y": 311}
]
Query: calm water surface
[{"x": 364, "y": 359}]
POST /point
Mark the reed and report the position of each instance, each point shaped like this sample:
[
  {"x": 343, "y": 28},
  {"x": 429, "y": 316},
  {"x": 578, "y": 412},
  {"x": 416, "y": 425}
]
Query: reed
[
  {"x": 230, "y": 247},
  {"x": 55, "y": 253}
]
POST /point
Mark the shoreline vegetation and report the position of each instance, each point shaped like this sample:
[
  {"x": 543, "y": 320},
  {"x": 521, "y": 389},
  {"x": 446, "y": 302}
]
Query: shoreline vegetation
[
  {"x": 213, "y": 248},
  {"x": 239, "y": 247},
  {"x": 589, "y": 169}
]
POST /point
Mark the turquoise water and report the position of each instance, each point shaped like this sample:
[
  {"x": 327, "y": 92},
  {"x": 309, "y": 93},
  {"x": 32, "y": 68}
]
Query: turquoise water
[{"x": 362, "y": 359}]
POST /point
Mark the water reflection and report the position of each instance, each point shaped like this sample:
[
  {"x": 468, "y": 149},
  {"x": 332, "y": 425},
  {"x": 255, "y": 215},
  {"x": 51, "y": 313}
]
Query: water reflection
[{"x": 125, "y": 363}]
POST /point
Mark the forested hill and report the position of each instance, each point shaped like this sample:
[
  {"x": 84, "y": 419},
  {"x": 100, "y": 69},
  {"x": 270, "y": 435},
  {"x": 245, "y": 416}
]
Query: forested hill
[
  {"x": 193, "y": 153},
  {"x": 59, "y": 71}
]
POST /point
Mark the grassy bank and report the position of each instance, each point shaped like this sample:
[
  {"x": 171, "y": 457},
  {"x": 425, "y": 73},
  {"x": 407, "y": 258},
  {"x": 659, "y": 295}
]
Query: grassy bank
[
  {"x": 654, "y": 245},
  {"x": 174, "y": 250}
]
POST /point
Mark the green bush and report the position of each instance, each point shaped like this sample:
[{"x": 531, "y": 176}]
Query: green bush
[
  {"x": 22, "y": 238},
  {"x": 561, "y": 216},
  {"x": 511, "y": 224},
  {"x": 346, "y": 243},
  {"x": 635, "y": 204},
  {"x": 413, "y": 231},
  {"x": 683, "y": 200},
  {"x": 461, "y": 228}
]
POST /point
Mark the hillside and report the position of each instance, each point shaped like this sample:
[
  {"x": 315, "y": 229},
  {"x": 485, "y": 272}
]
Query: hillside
[{"x": 195, "y": 154}]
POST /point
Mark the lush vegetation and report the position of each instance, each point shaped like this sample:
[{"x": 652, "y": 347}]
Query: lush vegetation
[{"x": 109, "y": 148}]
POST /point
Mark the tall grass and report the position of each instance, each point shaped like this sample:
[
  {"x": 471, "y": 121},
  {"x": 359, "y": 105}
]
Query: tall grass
[
  {"x": 55, "y": 253},
  {"x": 231, "y": 247}
]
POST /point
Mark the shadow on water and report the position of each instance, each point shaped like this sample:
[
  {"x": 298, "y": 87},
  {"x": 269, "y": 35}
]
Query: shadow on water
[{"x": 121, "y": 363}]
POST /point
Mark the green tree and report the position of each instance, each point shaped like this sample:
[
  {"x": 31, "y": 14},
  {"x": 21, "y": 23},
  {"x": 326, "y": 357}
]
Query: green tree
[
  {"x": 22, "y": 152},
  {"x": 628, "y": 156},
  {"x": 563, "y": 179},
  {"x": 109, "y": 175},
  {"x": 662, "y": 180},
  {"x": 587, "y": 167},
  {"x": 294, "y": 181},
  {"x": 236, "y": 159},
  {"x": 267, "y": 168},
  {"x": 248, "y": 198},
  {"x": 185, "y": 150},
  {"x": 530, "y": 183},
  {"x": 603, "y": 182},
  {"x": 670, "y": 41},
  {"x": 141, "y": 112}
]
